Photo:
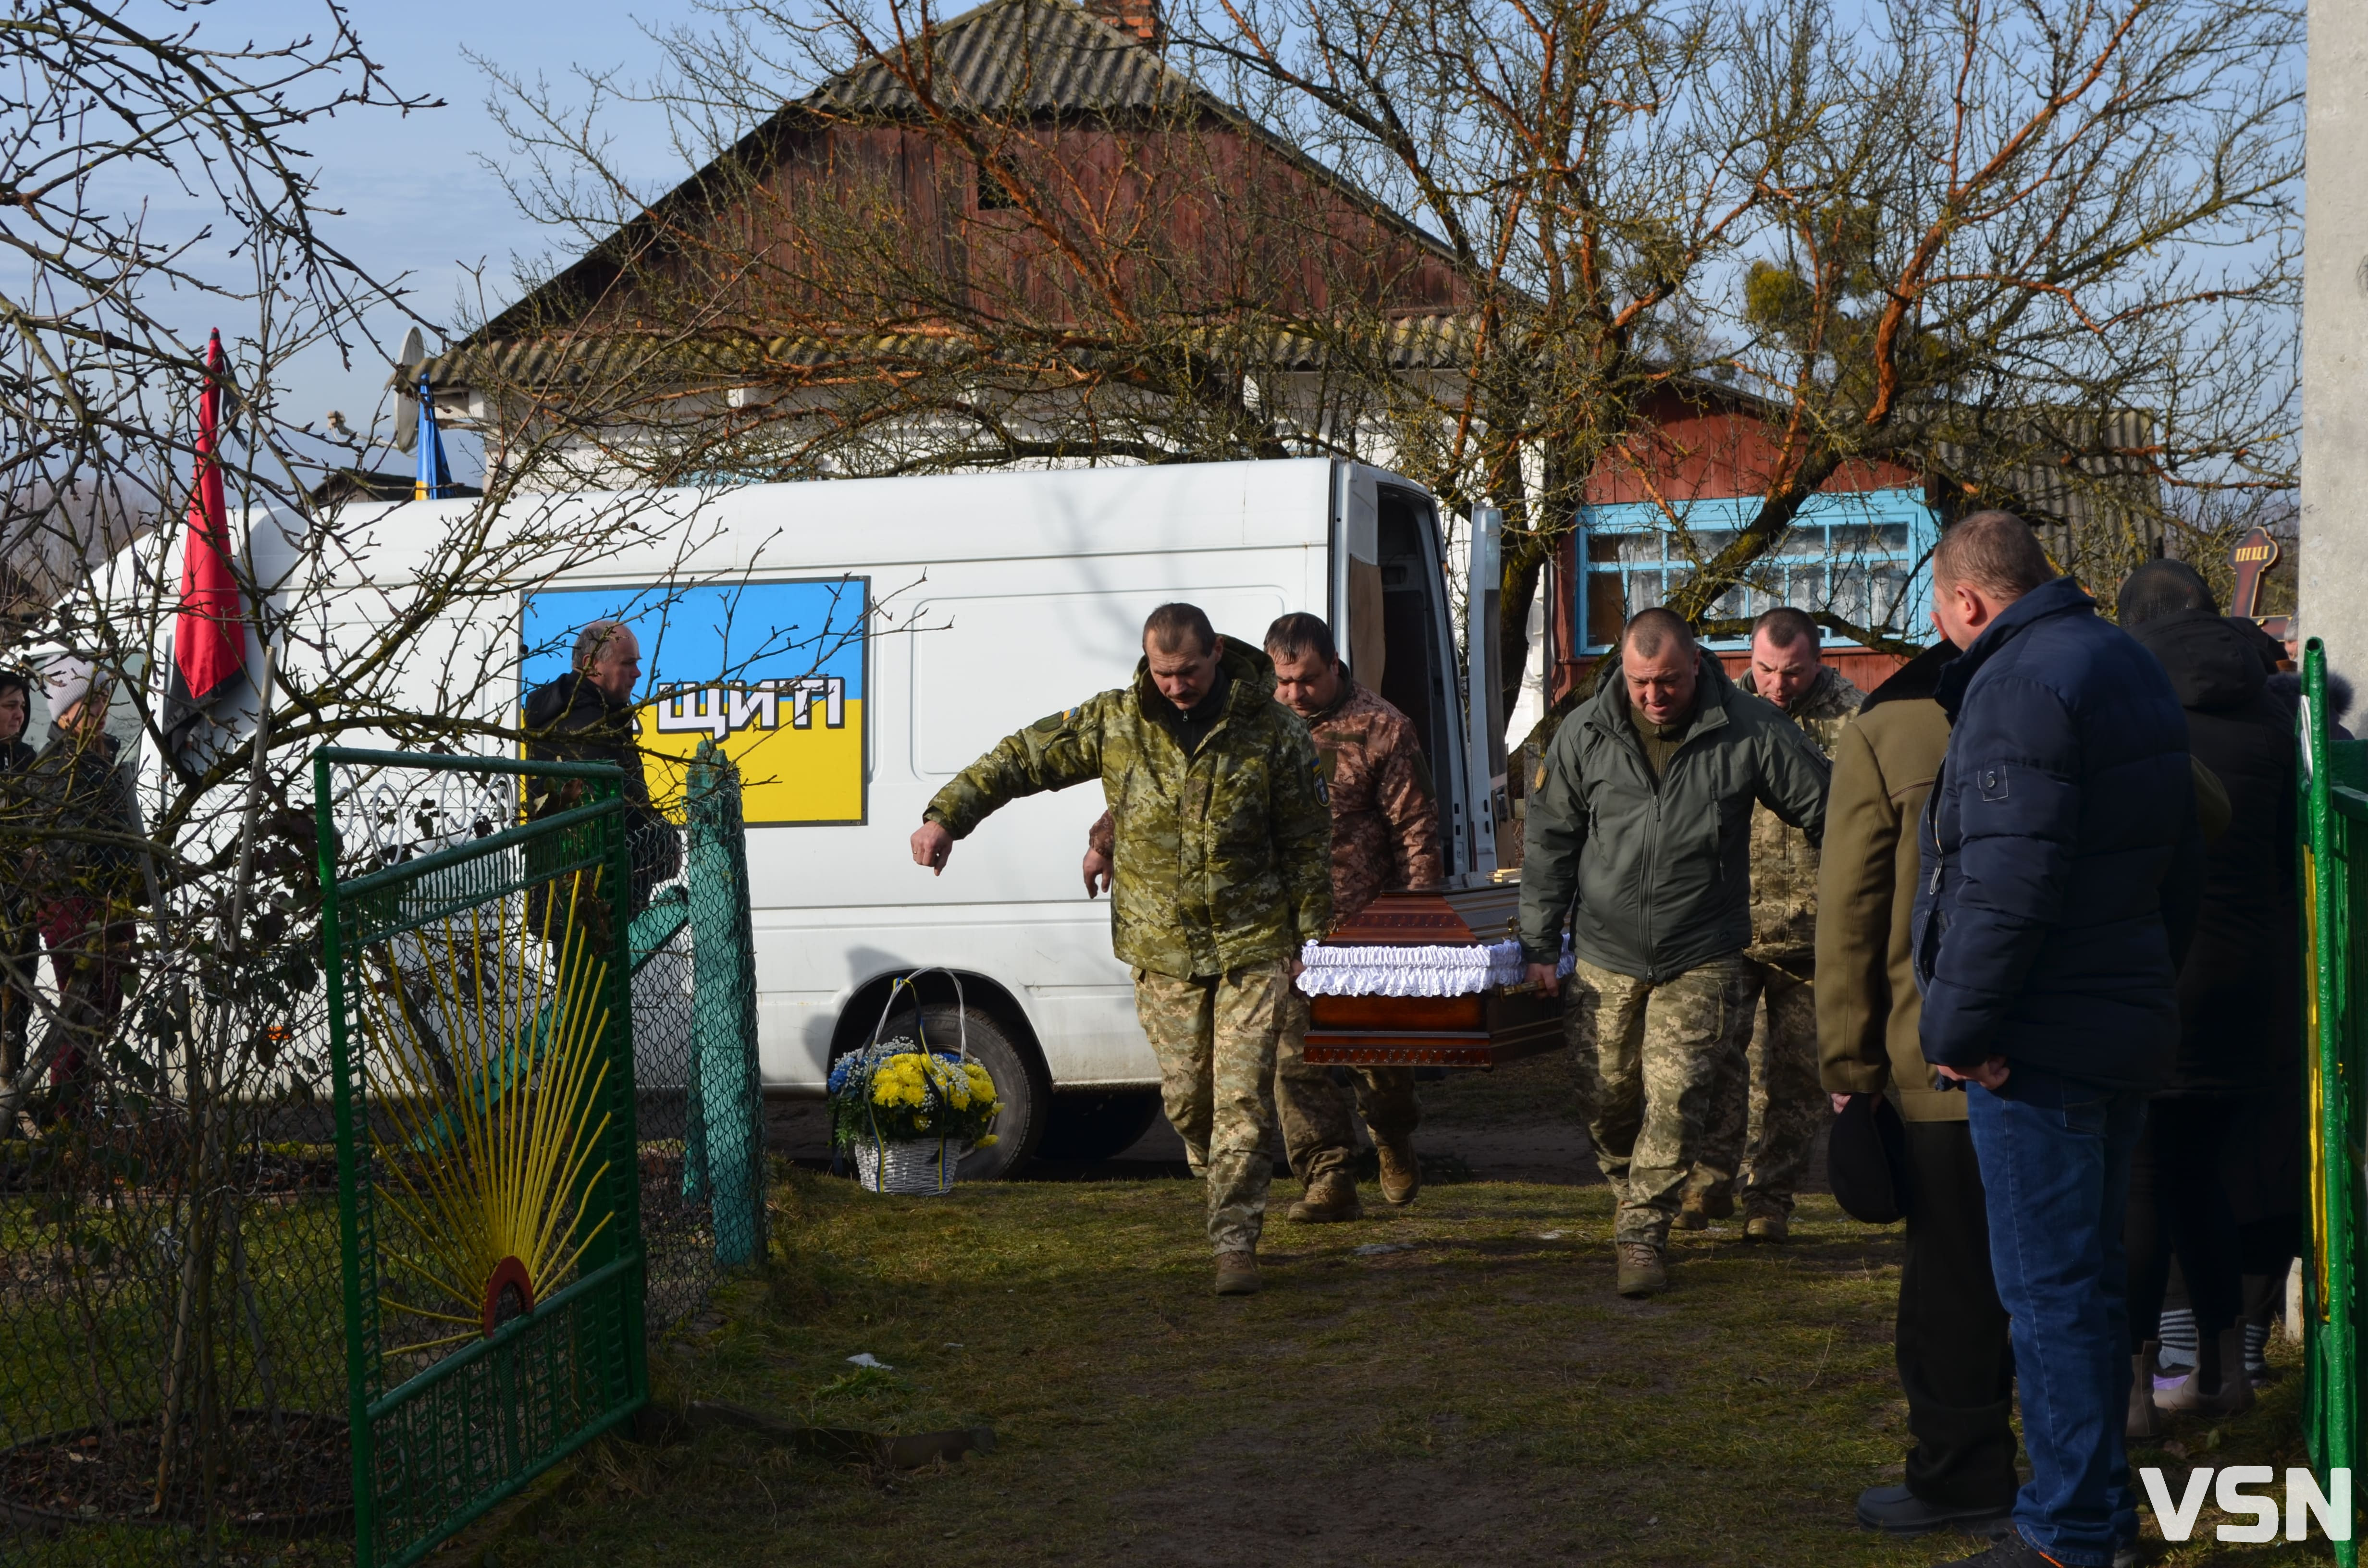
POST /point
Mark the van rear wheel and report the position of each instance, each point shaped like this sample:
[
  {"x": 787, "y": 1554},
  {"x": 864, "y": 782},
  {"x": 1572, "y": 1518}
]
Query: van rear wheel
[{"x": 1020, "y": 1083}]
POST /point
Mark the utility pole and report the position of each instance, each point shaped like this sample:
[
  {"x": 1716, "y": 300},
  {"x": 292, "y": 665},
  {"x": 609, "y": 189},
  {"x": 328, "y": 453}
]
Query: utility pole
[{"x": 2334, "y": 564}]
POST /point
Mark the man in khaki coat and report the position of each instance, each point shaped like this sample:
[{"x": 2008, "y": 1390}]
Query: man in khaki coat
[{"x": 1955, "y": 1364}]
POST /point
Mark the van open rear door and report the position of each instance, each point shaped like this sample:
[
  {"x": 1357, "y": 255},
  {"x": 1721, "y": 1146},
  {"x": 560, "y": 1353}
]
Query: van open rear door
[
  {"x": 1390, "y": 615},
  {"x": 1483, "y": 688}
]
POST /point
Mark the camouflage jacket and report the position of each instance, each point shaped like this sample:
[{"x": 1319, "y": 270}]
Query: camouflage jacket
[
  {"x": 1385, "y": 811},
  {"x": 1783, "y": 862},
  {"x": 1221, "y": 859}
]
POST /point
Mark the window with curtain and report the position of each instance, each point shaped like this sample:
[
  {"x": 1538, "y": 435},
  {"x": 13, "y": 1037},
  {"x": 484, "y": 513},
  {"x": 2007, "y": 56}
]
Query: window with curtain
[{"x": 1860, "y": 556}]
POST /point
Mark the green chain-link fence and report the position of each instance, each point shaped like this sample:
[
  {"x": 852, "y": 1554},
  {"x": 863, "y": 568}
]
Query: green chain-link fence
[
  {"x": 2335, "y": 911},
  {"x": 173, "y": 1335}
]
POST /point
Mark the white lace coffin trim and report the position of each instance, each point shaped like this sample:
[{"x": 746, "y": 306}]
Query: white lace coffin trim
[{"x": 1463, "y": 970}]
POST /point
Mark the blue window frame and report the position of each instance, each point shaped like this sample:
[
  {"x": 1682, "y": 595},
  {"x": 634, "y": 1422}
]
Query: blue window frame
[{"x": 1859, "y": 555}]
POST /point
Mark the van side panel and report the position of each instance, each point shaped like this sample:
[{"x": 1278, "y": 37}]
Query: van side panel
[{"x": 968, "y": 649}]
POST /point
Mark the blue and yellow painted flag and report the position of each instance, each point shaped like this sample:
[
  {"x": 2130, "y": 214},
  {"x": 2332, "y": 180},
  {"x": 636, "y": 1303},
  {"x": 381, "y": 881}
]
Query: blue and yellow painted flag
[{"x": 773, "y": 673}]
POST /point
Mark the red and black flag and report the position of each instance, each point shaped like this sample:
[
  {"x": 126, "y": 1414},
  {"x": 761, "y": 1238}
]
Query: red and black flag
[{"x": 209, "y": 631}]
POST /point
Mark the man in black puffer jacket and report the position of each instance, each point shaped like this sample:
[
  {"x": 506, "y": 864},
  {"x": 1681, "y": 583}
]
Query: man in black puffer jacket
[
  {"x": 587, "y": 715},
  {"x": 2062, "y": 859},
  {"x": 2240, "y": 991}
]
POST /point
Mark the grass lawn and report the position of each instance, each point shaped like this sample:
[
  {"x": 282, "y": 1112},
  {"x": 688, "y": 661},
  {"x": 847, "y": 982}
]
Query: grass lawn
[{"x": 1454, "y": 1384}]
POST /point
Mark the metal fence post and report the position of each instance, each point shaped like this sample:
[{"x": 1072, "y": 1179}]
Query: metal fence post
[
  {"x": 2331, "y": 891},
  {"x": 729, "y": 1124},
  {"x": 350, "y": 1185}
]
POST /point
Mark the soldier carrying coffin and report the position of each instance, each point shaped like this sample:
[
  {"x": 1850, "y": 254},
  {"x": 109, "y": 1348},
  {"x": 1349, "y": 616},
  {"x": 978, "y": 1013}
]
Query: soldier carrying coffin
[
  {"x": 1221, "y": 871},
  {"x": 1772, "y": 1108},
  {"x": 1639, "y": 839},
  {"x": 1384, "y": 837}
]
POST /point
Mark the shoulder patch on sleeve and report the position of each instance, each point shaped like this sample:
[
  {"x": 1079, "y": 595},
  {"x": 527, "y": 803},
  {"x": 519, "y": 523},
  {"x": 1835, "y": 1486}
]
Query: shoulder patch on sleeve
[
  {"x": 1323, "y": 789},
  {"x": 1053, "y": 721}
]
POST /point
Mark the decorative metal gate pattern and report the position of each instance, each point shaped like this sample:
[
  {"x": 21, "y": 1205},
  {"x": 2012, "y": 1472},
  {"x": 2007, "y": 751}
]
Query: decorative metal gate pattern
[{"x": 489, "y": 1175}]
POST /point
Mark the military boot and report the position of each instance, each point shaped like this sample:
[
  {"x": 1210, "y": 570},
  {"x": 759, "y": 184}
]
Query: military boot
[
  {"x": 1702, "y": 1206},
  {"x": 1771, "y": 1225},
  {"x": 1330, "y": 1198},
  {"x": 1237, "y": 1274},
  {"x": 1641, "y": 1273},
  {"x": 1401, "y": 1174}
]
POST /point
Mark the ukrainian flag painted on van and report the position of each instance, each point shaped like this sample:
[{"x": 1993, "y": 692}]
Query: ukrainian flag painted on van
[{"x": 773, "y": 673}]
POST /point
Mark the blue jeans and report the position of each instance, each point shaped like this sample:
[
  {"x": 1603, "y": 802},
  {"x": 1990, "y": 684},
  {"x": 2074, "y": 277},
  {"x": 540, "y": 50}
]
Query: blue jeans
[{"x": 2055, "y": 1168}]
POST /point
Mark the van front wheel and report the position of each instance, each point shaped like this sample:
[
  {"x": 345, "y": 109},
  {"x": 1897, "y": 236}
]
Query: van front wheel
[{"x": 1020, "y": 1083}]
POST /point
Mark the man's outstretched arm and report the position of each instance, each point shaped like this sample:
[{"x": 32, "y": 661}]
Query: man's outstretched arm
[{"x": 1054, "y": 752}]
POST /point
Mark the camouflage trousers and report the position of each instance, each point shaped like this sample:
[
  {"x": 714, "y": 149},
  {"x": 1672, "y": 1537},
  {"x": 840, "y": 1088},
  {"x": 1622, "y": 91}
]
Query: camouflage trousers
[
  {"x": 1215, "y": 1037},
  {"x": 1770, "y": 1105},
  {"x": 1317, "y": 1134},
  {"x": 1650, "y": 1059}
]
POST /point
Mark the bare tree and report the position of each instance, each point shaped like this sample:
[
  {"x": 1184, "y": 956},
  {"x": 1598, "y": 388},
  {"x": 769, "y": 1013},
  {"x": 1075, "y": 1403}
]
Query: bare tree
[
  {"x": 2039, "y": 255},
  {"x": 946, "y": 251},
  {"x": 166, "y": 1284},
  {"x": 2042, "y": 252}
]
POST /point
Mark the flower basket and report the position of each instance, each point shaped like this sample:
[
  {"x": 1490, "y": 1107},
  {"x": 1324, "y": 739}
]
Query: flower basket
[
  {"x": 909, "y": 1114},
  {"x": 916, "y": 1169}
]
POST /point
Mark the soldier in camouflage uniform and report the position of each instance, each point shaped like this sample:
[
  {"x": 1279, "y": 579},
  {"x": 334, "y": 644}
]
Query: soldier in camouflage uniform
[
  {"x": 1636, "y": 837},
  {"x": 1384, "y": 835},
  {"x": 1222, "y": 844},
  {"x": 1772, "y": 1107}
]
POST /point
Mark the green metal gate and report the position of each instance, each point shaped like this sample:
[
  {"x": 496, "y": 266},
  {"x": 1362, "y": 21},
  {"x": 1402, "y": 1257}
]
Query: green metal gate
[
  {"x": 2335, "y": 908},
  {"x": 481, "y": 1022}
]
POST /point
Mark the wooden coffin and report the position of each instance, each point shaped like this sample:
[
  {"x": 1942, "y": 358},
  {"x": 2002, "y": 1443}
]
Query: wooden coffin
[{"x": 1479, "y": 1031}]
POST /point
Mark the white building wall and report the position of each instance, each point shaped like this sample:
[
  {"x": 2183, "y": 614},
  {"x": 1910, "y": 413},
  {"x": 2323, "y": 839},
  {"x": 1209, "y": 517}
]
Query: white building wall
[{"x": 2333, "y": 566}]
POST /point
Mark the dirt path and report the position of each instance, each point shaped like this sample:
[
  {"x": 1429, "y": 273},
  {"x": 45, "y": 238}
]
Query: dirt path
[{"x": 1450, "y": 1386}]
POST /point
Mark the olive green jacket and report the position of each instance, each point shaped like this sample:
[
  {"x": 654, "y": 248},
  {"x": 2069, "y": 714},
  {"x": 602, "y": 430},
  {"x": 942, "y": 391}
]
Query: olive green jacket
[
  {"x": 1222, "y": 858},
  {"x": 1868, "y": 1006},
  {"x": 1656, "y": 879}
]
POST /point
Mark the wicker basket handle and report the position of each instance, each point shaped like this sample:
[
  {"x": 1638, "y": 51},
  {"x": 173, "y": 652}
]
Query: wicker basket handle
[{"x": 961, "y": 1012}]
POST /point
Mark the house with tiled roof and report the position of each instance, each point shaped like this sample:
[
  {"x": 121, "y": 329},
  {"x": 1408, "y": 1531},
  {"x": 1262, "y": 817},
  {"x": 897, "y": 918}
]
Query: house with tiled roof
[
  {"x": 1166, "y": 219},
  {"x": 1209, "y": 252}
]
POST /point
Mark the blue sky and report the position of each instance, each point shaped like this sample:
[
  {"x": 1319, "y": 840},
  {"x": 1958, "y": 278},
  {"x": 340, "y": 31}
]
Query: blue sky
[{"x": 417, "y": 197}]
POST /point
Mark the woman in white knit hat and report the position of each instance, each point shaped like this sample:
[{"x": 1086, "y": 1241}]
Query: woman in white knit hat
[{"x": 83, "y": 872}]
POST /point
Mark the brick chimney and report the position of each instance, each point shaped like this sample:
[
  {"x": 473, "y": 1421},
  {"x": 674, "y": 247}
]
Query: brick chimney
[{"x": 1139, "y": 19}]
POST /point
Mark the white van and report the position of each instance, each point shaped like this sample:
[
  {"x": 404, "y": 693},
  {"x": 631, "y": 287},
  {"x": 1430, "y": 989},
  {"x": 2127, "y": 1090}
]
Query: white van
[{"x": 855, "y": 644}]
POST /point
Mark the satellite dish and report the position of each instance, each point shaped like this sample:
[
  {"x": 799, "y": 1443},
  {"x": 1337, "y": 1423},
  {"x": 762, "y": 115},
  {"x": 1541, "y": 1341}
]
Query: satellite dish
[{"x": 405, "y": 382}]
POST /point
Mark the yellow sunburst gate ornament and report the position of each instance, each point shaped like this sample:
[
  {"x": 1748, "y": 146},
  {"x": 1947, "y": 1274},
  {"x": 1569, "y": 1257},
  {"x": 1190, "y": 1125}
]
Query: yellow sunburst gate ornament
[{"x": 483, "y": 1029}]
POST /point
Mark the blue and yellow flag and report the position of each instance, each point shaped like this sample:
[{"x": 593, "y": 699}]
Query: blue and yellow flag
[
  {"x": 433, "y": 480},
  {"x": 772, "y": 672}
]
